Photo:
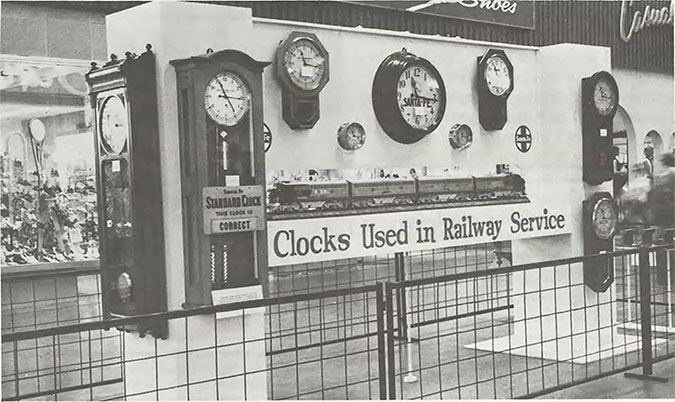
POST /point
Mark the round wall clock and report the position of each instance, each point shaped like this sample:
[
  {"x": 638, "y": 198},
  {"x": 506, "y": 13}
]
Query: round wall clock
[
  {"x": 460, "y": 136},
  {"x": 227, "y": 99},
  {"x": 351, "y": 136},
  {"x": 114, "y": 124},
  {"x": 604, "y": 218},
  {"x": 305, "y": 63},
  {"x": 495, "y": 84},
  {"x": 408, "y": 97}
]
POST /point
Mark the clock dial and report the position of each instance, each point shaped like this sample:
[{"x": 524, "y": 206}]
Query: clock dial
[
  {"x": 227, "y": 98},
  {"x": 604, "y": 97},
  {"x": 37, "y": 129},
  {"x": 604, "y": 218},
  {"x": 460, "y": 136},
  {"x": 419, "y": 97},
  {"x": 497, "y": 76},
  {"x": 114, "y": 125},
  {"x": 305, "y": 64},
  {"x": 351, "y": 136}
]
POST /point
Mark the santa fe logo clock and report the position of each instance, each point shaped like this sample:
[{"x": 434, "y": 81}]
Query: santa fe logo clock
[
  {"x": 302, "y": 69},
  {"x": 408, "y": 97}
]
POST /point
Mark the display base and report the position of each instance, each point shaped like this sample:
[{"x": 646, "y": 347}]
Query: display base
[{"x": 583, "y": 349}]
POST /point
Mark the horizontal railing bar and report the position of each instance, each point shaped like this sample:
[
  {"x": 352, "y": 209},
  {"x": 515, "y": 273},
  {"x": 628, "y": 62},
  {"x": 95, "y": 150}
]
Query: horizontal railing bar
[
  {"x": 63, "y": 390},
  {"x": 523, "y": 267},
  {"x": 190, "y": 312},
  {"x": 31, "y": 271}
]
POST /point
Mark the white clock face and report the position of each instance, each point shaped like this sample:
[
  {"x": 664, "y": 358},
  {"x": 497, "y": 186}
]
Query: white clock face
[
  {"x": 604, "y": 218},
  {"x": 114, "y": 124},
  {"x": 497, "y": 76},
  {"x": 604, "y": 96},
  {"x": 305, "y": 64},
  {"x": 227, "y": 98},
  {"x": 419, "y": 97}
]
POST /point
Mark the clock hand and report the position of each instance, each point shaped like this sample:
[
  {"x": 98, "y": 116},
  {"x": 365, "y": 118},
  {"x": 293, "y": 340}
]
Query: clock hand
[
  {"x": 232, "y": 97},
  {"x": 225, "y": 93},
  {"x": 414, "y": 87},
  {"x": 426, "y": 98}
]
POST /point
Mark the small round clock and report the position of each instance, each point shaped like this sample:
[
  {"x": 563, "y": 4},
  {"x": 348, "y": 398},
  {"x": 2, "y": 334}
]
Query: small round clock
[
  {"x": 114, "y": 124},
  {"x": 37, "y": 129},
  {"x": 227, "y": 98},
  {"x": 351, "y": 136},
  {"x": 460, "y": 136},
  {"x": 497, "y": 75},
  {"x": 604, "y": 218},
  {"x": 408, "y": 97}
]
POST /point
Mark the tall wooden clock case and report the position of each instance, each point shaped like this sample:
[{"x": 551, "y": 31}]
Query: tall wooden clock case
[
  {"x": 221, "y": 144},
  {"x": 123, "y": 96}
]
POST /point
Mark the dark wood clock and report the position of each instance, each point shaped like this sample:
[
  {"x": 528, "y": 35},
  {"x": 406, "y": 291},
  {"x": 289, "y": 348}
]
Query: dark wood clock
[
  {"x": 302, "y": 68},
  {"x": 600, "y": 100},
  {"x": 495, "y": 84},
  {"x": 222, "y": 145},
  {"x": 408, "y": 97},
  {"x": 123, "y": 96},
  {"x": 600, "y": 220}
]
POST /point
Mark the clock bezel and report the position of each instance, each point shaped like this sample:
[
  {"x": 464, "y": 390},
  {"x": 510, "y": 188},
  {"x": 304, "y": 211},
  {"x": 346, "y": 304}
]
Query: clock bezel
[
  {"x": 454, "y": 136},
  {"x": 590, "y": 98},
  {"x": 106, "y": 96},
  {"x": 385, "y": 101},
  {"x": 342, "y": 131},
  {"x": 594, "y": 209},
  {"x": 482, "y": 67},
  {"x": 246, "y": 85},
  {"x": 279, "y": 63}
]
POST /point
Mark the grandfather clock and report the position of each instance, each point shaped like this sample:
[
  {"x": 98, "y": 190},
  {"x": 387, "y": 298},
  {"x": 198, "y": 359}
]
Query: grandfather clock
[
  {"x": 222, "y": 172},
  {"x": 123, "y": 96}
]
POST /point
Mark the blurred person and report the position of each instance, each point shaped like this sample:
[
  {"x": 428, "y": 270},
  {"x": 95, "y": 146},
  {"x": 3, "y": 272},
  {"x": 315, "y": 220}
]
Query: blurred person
[
  {"x": 648, "y": 162},
  {"x": 620, "y": 172},
  {"x": 662, "y": 196}
]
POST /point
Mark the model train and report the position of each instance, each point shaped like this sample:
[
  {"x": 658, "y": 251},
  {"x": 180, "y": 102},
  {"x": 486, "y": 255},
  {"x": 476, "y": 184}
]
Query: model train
[{"x": 338, "y": 195}]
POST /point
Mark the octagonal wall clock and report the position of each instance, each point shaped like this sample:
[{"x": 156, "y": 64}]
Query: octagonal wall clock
[
  {"x": 494, "y": 85},
  {"x": 302, "y": 69},
  {"x": 408, "y": 97}
]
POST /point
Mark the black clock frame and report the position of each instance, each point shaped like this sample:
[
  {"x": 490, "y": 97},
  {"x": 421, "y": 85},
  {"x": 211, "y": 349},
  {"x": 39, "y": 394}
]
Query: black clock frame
[
  {"x": 492, "y": 109},
  {"x": 599, "y": 270},
  {"x": 134, "y": 172},
  {"x": 300, "y": 108},
  {"x": 597, "y": 148},
  {"x": 385, "y": 102}
]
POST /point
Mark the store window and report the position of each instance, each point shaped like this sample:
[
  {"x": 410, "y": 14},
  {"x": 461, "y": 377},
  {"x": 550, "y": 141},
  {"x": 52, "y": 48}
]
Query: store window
[{"x": 47, "y": 168}]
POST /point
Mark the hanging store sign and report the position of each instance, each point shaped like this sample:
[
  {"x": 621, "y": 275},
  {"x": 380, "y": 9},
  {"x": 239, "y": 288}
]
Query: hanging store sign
[
  {"x": 515, "y": 13},
  {"x": 323, "y": 239},
  {"x": 233, "y": 209},
  {"x": 633, "y": 20}
]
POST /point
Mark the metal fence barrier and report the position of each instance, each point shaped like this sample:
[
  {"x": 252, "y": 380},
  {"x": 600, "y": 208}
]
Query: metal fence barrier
[{"x": 510, "y": 332}]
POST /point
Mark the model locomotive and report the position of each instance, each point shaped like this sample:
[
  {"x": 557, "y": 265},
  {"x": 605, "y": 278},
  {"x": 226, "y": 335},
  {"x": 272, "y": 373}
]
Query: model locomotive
[{"x": 344, "y": 195}]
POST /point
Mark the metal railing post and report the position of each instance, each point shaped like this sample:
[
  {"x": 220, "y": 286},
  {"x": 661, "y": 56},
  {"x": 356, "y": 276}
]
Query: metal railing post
[
  {"x": 401, "y": 302},
  {"x": 391, "y": 359},
  {"x": 645, "y": 312},
  {"x": 644, "y": 279},
  {"x": 381, "y": 348}
]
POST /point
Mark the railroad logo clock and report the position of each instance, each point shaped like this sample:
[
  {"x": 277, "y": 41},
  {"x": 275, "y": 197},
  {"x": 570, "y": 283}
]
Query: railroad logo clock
[
  {"x": 600, "y": 221},
  {"x": 495, "y": 84},
  {"x": 222, "y": 144},
  {"x": 302, "y": 68},
  {"x": 600, "y": 100},
  {"x": 408, "y": 97},
  {"x": 123, "y": 96}
]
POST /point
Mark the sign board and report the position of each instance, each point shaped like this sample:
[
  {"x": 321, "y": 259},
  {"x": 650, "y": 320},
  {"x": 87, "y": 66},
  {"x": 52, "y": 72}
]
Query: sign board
[
  {"x": 323, "y": 239},
  {"x": 523, "y": 139},
  {"x": 233, "y": 209},
  {"x": 235, "y": 295},
  {"x": 515, "y": 13}
]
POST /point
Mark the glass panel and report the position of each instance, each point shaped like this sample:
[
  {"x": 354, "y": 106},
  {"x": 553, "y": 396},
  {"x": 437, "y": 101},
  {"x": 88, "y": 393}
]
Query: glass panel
[{"x": 48, "y": 183}]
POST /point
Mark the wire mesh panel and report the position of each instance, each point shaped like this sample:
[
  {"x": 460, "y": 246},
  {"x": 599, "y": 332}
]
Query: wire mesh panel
[
  {"x": 554, "y": 333},
  {"x": 39, "y": 367}
]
